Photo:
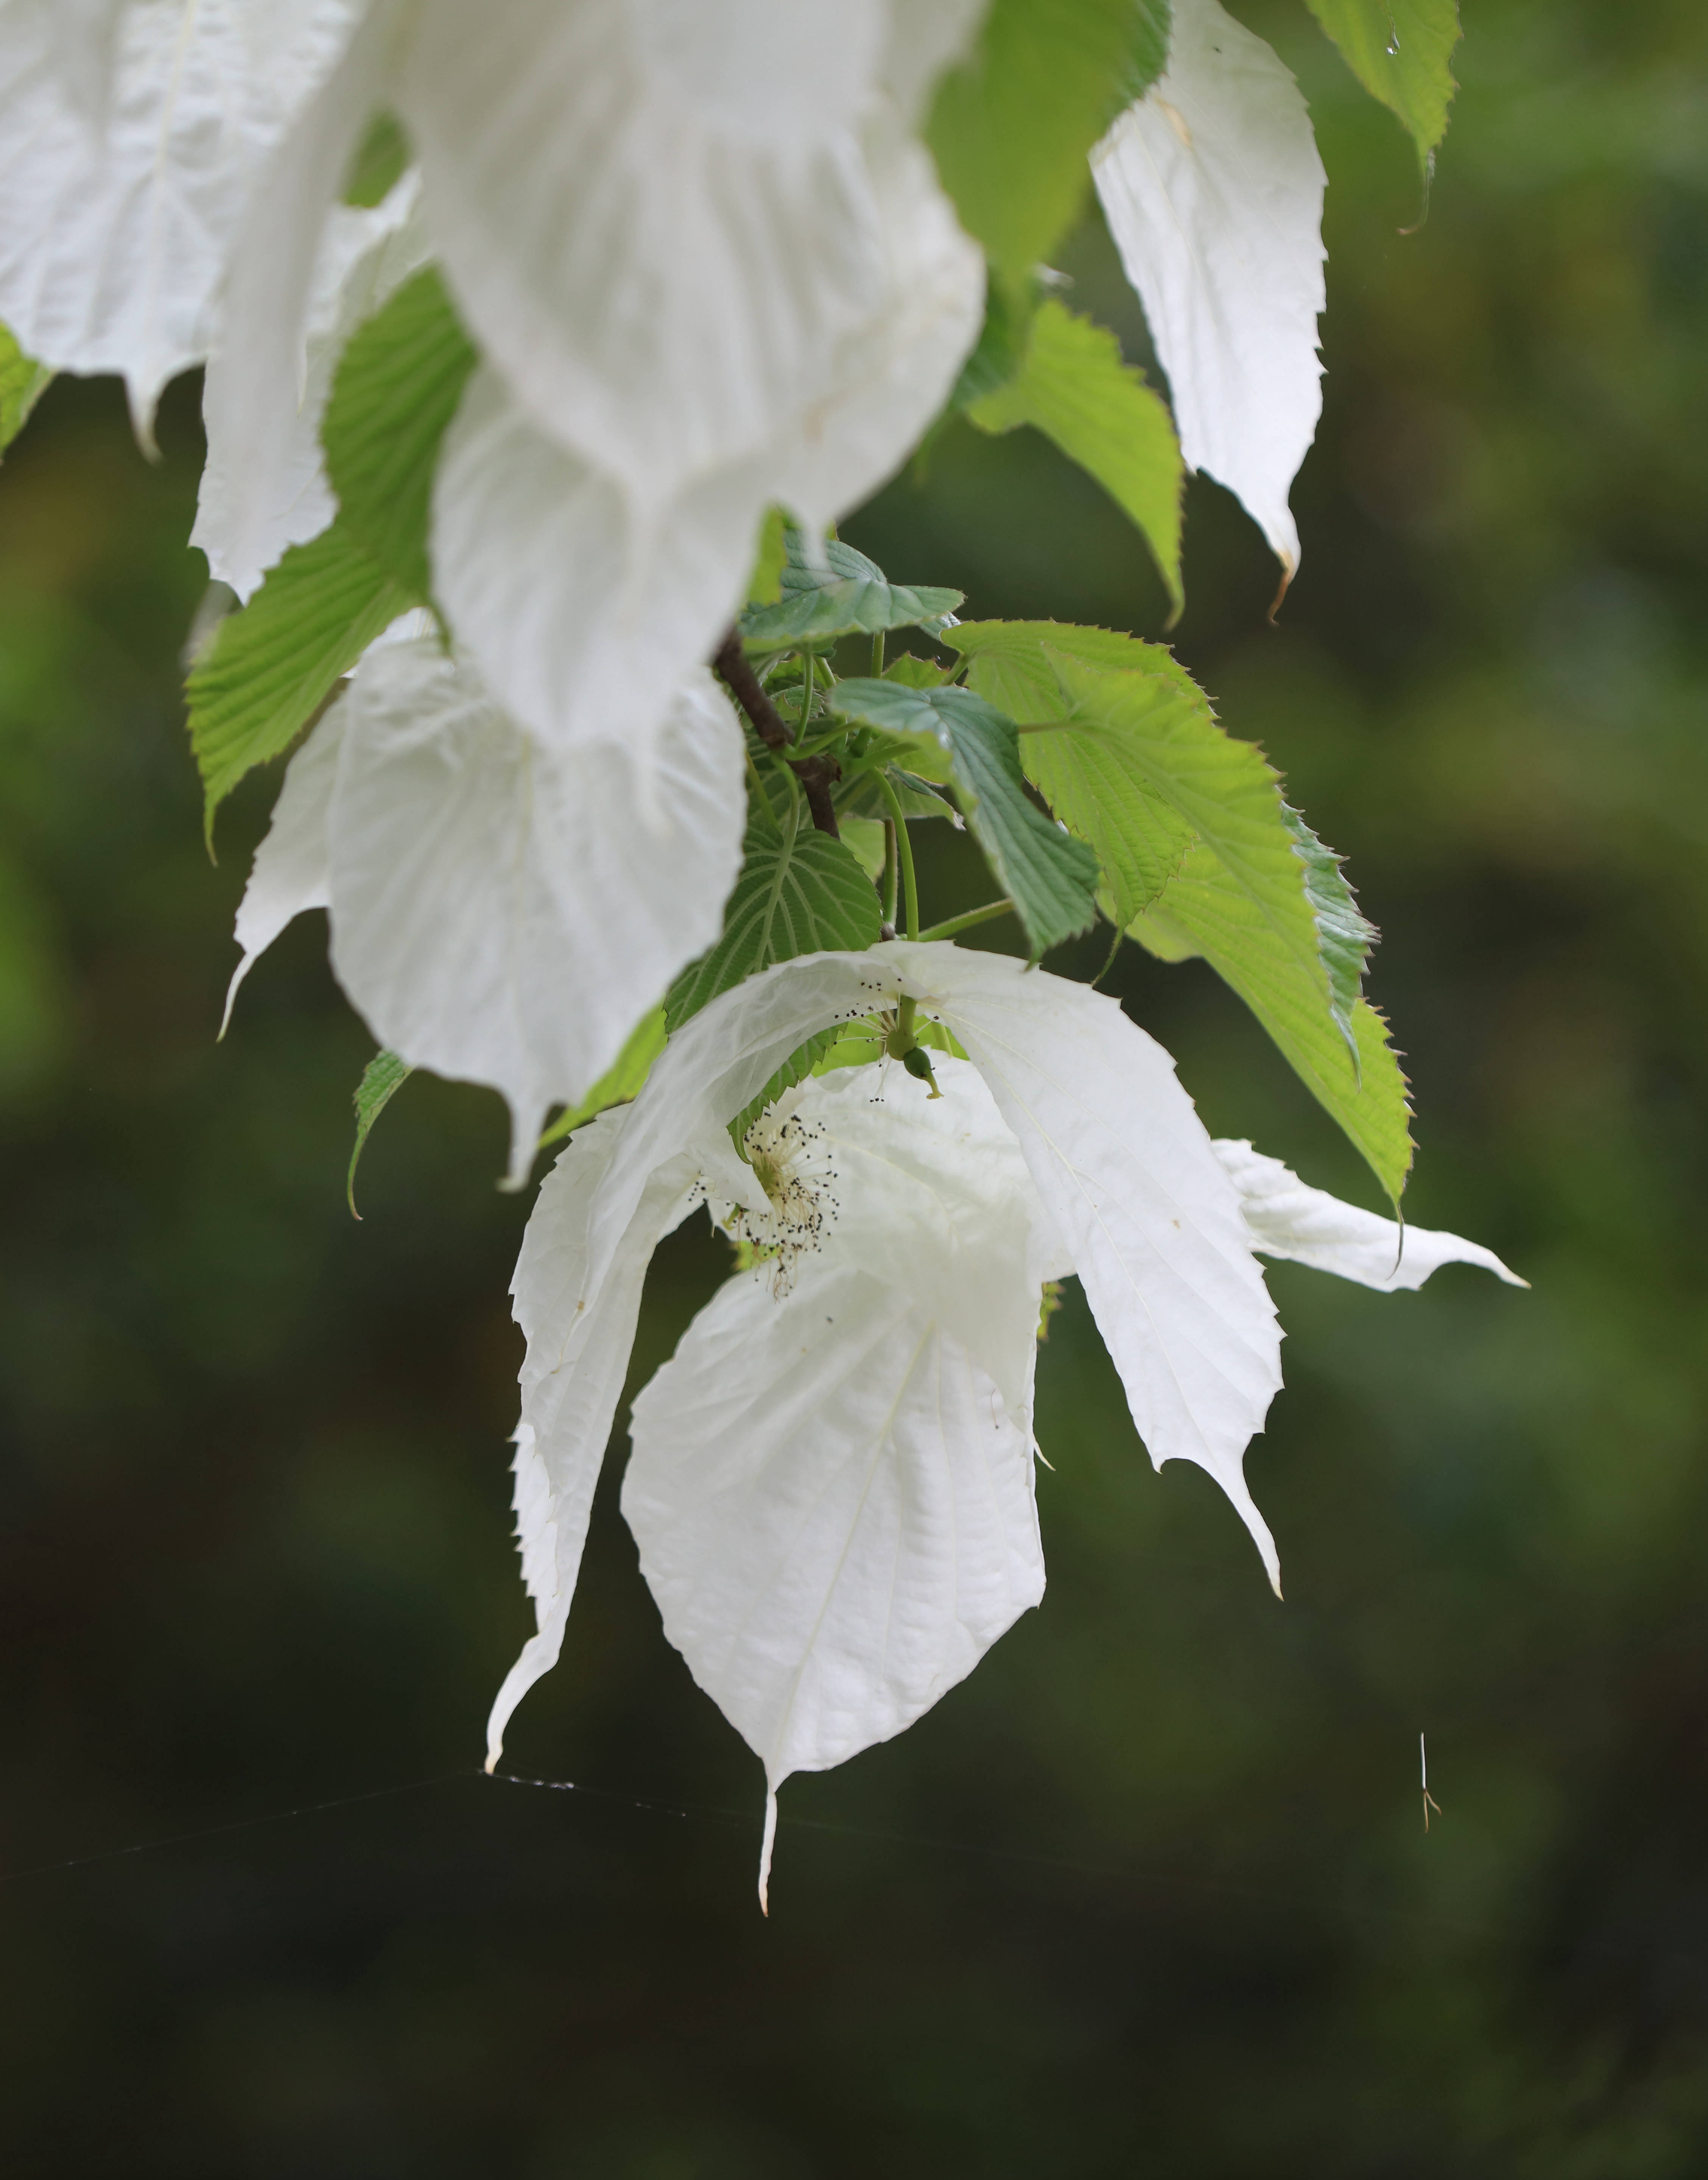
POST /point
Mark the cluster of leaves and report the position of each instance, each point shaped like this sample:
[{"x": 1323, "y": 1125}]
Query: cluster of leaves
[
  {"x": 1094, "y": 778},
  {"x": 1087, "y": 765}
]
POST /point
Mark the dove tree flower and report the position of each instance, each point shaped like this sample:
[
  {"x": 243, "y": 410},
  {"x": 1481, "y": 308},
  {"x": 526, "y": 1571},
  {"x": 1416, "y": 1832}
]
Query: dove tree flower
[
  {"x": 546, "y": 343},
  {"x": 832, "y": 1481}
]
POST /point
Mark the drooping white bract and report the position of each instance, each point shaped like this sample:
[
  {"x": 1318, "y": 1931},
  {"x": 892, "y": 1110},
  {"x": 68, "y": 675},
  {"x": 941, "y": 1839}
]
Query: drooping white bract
[
  {"x": 831, "y": 1485},
  {"x": 132, "y": 138},
  {"x": 1288, "y": 1219},
  {"x": 708, "y": 269},
  {"x": 1131, "y": 1194},
  {"x": 584, "y": 604},
  {"x": 499, "y": 913},
  {"x": 365, "y": 254},
  {"x": 1212, "y": 188}
]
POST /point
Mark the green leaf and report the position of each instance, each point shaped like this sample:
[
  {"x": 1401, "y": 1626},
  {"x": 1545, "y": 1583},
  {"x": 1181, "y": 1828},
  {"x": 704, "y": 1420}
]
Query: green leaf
[
  {"x": 269, "y": 669},
  {"x": 913, "y": 672},
  {"x": 1161, "y": 728},
  {"x": 859, "y": 797},
  {"x": 1012, "y": 668},
  {"x": 379, "y": 164},
  {"x": 1254, "y": 891},
  {"x": 848, "y": 596},
  {"x": 1000, "y": 349},
  {"x": 622, "y": 1080},
  {"x": 1012, "y": 126},
  {"x": 1074, "y": 387},
  {"x": 771, "y": 556},
  {"x": 23, "y": 381},
  {"x": 1399, "y": 50},
  {"x": 1051, "y": 879},
  {"x": 800, "y": 892},
  {"x": 383, "y": 1076},
  {"x": 396, "y": 389},
  {"x": 1204, "y": 911},
  {"x": 1345, "y": 935}
]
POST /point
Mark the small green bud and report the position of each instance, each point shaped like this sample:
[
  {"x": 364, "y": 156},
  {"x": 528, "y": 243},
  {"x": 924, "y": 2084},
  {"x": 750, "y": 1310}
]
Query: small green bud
[{"x": 917, "y": 1063}]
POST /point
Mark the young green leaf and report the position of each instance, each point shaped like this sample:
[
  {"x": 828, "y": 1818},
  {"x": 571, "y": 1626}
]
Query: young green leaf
[
  {"x": 1204, "y": 911},
  {"x": 1160, "y": 728},
  {"x": 1138, "y": 836},
  {"x": 858, "y": 797},
  {"x": 623, "y": 1080},
  {"x": 1400, "y": 51},
  {"x": 1272, "y": 915},
  {"x": 771, "y": 557},
  {"x": 397, "y": 390},
  {"x": 379, "y": 160},
  {"x": 1011, "y": 665},
  {"x": 1074, "y": 387},
  {"x": 1051, "y": 877},
  {"x": 1009, "y": 303},
  {"x": 1345, "y": 935},
  {"x": 847, "y": 595},
  {"x": 270, "y": 668},
  {"x": 383, "y": 1076},
  {"x": 1012, "y": 126},
  {"x": 23, "y": 381},
  {"x": 800, "y": 892}
]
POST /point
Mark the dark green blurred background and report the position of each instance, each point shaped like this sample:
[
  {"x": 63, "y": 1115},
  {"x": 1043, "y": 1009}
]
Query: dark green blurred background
[{"x": 1151, "y": 1893}]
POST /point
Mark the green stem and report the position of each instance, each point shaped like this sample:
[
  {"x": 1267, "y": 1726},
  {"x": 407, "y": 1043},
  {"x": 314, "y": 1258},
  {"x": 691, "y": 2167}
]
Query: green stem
[
  {"x": 893, "y": 872},
  {"x": 988, "y": 914},
  {"x": 904, "y": 849},
  {"x": 878, "y": 656},
  {"x": 807, "y": 685}
]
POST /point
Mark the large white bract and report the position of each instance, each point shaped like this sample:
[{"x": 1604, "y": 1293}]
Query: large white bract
[
  {"x": 838, "y": 1525},
  {"x": 1213, "y": 189},
  {"x": 500, "y": 912}
]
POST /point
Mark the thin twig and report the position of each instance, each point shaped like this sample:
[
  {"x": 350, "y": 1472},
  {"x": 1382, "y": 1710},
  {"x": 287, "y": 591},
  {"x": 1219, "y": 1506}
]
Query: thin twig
[{"x": 816, "y": 775}]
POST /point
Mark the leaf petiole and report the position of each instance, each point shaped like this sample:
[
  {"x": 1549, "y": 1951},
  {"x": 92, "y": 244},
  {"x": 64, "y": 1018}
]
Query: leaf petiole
[
  {"x": 988, "y": 914},
  {"x": 905, "y": 851}
]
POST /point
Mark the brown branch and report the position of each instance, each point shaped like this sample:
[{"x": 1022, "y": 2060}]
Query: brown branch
[{"x": 816, "y": 775}]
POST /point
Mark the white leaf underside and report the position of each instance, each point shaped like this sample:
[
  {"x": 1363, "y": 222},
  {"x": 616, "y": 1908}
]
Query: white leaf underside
[
  {"x": 126, "y": 163},
  {"x": 1213, "y": 189},
  {"x": 499, "y": 913},
  {"x": 1288, "y": 1219}
]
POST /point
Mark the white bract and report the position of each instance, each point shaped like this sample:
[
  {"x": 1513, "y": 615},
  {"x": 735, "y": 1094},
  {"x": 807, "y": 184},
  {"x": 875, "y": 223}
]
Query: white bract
[
  {"x": 133, "y": 136},
  {"x": 1213, "y": 190},
  {"x": 365, "y": 256},
  {"x": 831, "y": 1484},
  {"x": 707, "y": 268},
  {"x": 499, "y": 913}
]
